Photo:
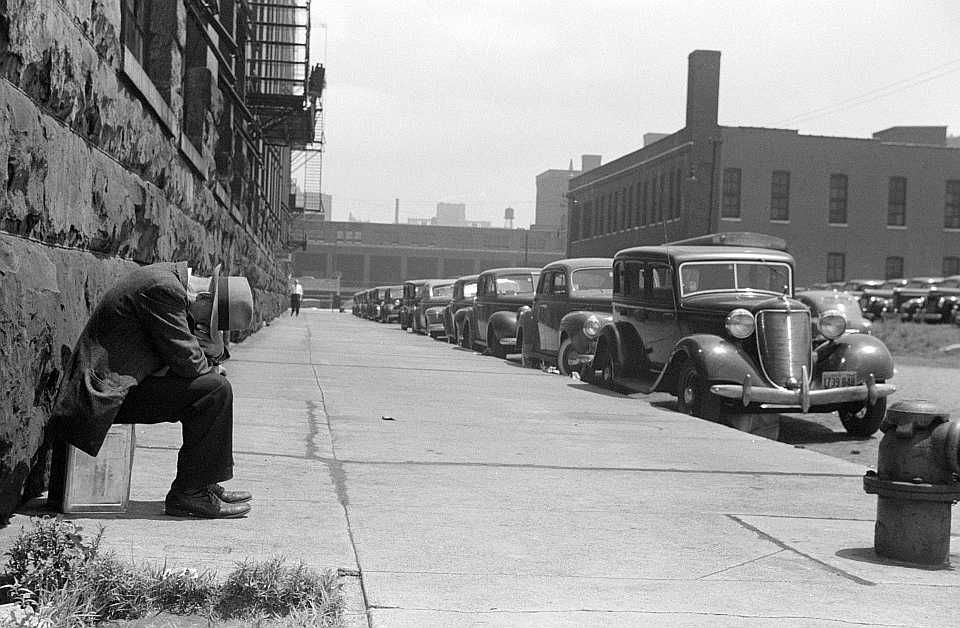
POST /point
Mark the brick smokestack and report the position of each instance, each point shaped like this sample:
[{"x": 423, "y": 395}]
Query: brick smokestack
[{"x": 703, "y": 88}]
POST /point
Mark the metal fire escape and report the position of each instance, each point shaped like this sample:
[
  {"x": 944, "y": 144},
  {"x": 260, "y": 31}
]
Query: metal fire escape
[{"x": 283, "y": 91}]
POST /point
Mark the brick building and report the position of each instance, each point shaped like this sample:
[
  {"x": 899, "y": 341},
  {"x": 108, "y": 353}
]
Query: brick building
[
  {"x": 366, "y": 254},
  {"x": 551, "y": 203},
  {"x": 884, "y": 206},
  {"x": 134, "y": 131}
]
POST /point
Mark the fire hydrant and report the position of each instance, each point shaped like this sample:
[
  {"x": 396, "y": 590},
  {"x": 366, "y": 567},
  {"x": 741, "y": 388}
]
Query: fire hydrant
[{"x": 917, "y": 481}]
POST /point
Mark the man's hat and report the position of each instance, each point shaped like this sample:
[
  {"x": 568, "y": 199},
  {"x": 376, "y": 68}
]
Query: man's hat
[
  {"x": 233, "y": 304},
  {"x": 231, "y": 300}
]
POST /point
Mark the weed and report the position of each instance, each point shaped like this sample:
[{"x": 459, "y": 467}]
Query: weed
[
  {"x": 62, "y": 581},
  {"x": 273, "y": 588},
  {"x": 50, "y": 555}
]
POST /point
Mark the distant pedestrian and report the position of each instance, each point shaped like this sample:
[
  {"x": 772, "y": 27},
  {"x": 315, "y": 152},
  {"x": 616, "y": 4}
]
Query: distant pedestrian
[{"x": 296, "y": 296}]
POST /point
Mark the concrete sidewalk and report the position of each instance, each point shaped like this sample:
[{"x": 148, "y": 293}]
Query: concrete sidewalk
[{"x": 452, "y": 489}]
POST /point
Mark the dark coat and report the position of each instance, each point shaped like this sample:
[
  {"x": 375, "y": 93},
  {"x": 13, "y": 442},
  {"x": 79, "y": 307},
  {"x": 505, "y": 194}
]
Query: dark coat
[{"x": 140, "y": 326}]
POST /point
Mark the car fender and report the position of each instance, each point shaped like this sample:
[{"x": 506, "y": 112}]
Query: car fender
[
  {"x": 625, "y": 344},
  {"x": 571, "y": 326},
  {"x": 716, "y": 358},
  {"x": 862, "y": 353},
  {"x": 503, "y": 324},
  {"x": 461, "y": 315}
]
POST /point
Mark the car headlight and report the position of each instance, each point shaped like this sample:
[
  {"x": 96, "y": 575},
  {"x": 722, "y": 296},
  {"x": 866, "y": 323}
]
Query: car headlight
[
  {"x": 591, "y": 326},
  {"x": 396, "y": 302},
  {"x": 832, "y": 324},
  {"x": 740, "y": 323}
]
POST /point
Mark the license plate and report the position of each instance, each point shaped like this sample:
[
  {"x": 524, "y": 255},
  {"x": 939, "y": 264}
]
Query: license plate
[{"x": 840, "y": 379}]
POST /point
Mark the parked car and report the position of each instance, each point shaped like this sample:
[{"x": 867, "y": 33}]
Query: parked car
[
  {"x": 908, "y": 298},
  {"x": 358, "y": 302},
  {"x": 411, "y": 296},
  {"x": 942, "y": 303},
  {"x": 427, "y": 315},
  {"x": 857, "y": 286},
  {"x": 878, "y": 301},
  {"x": 373, "y": 300},
  {"x": 571, "y": 304},
  {"x": 454, "y": 313},
  {"x": 491, "y": 321},
  {"x": 713, "y": 321},
  {"x": 821, "y": 301},
  {"x": 391, "y": 300}
]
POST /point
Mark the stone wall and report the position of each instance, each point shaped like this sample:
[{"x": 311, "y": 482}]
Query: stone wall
[{"x": 94, "y": 184}]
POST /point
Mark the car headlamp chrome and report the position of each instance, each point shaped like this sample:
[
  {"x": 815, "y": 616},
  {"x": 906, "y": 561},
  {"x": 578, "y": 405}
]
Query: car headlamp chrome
[
  {"x": 591, "y": 326},
  {"x": 740, "y": 323},
  {"x": 832, "y": 324}
]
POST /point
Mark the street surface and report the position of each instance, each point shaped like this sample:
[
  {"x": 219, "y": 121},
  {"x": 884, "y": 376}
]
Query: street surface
[{"x": 452, "y": 489}]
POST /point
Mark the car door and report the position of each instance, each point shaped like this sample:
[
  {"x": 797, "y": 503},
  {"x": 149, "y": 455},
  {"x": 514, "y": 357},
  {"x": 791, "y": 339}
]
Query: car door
[
  {"x": 542, "y": 306},
  {"x": 659, "y": 314},
  {"x": 486, "y": 295}
]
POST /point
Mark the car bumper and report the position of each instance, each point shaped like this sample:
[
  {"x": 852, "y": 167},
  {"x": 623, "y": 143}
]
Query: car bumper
[
  {"x": 802, "y": 398},
  {"x": 932, "y": 317}
]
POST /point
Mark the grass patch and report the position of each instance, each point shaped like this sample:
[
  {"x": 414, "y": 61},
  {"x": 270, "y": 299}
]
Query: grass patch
[
  {"x": 919, "y": 342},
  {"x": 62, "y": 580}
]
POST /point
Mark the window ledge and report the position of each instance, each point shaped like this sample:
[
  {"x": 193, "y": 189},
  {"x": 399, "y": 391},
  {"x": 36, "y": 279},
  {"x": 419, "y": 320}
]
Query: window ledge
[
  {"x": 193, "y": 156},
  {"x": 731, "y": 218},
  {"x": 138, "y": 77},
  {"x": 837, "y": 224},
  {"x": 897, "y": 227},
  {"x": 780, "y": 222},
  {"x": 952, "y": 229}
]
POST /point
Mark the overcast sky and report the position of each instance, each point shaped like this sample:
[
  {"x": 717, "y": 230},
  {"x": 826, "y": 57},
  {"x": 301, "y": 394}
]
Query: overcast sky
[{"x": 466, "y": 102}]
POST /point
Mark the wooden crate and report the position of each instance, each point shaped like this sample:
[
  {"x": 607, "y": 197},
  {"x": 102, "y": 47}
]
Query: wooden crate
[{"x": 100, "y": 484}]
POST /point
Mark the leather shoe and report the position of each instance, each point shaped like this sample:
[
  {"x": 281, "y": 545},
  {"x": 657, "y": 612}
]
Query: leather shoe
[
  {"x": 231, "y": 497},
  {"x": 202, "y": 502}
]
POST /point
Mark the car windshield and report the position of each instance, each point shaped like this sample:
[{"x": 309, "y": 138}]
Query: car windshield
[
  {"x": 469, "y": 290},
  {"x": 592, "y": 281},
  {"x": 443, "y": 291},
  {"x": 515, "y": 284},
  {"x": 847, "y": 305},
  {"x": 722, "y": 276}
]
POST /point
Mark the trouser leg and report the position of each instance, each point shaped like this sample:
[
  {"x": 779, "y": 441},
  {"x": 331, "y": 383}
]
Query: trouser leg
[{"x": 204, "y": 408}]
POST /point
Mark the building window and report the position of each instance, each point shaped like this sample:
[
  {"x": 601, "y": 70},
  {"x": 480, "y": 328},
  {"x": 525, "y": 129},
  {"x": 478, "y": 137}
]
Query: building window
[
  {"x": 897, "y": 202},
  {"x": 134, "y": 26},
  {"x": 780, "y": 195},
  {"x": 951, "y": 212},
  {"x": 835, "y": 266},
  {"x": 838, "y": 199},
  {"x": 893, "y": 269},
  {"x": 644, "y": 216},
  {"x": 730, "y": 207},
  {"x": 951, "y": 266}
]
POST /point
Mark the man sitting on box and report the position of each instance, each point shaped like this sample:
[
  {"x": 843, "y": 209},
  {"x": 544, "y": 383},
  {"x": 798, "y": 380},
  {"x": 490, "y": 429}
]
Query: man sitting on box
[{"x": 150, "y": 353}]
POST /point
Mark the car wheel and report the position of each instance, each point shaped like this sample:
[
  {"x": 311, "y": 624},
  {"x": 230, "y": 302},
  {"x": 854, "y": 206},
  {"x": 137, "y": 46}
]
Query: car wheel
[
  {"x": 465, "y": 339},
  {"x": 567, "y": 358},
  {"x": 862, "y": 419},
  {"x": 694, "y": 396},
  {"x": 604, "y": 370},
  {"x": 493, "y": 344}
]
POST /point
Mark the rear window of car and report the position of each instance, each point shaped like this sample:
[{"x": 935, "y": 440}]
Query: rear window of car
[
  {"x": 592, "y": 281},
  {"x": 469, "y": 290},
  {"x": 516, "y": 284},
  {"x": 442, "y": 291}
]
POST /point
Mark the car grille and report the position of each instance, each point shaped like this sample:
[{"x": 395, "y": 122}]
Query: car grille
[
  {"x": 932, "y": 302},
  {"x": 434, "y": 316},
  {"x": 784, "y": 344}
]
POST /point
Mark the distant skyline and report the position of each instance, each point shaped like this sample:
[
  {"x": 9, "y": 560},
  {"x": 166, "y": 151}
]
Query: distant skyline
[{"x": 436, "y": 101}]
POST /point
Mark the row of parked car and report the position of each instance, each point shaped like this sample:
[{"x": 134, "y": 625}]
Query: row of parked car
[
  {"x": 920, "y": 299},
  {"x": 714, "y": 320}
]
